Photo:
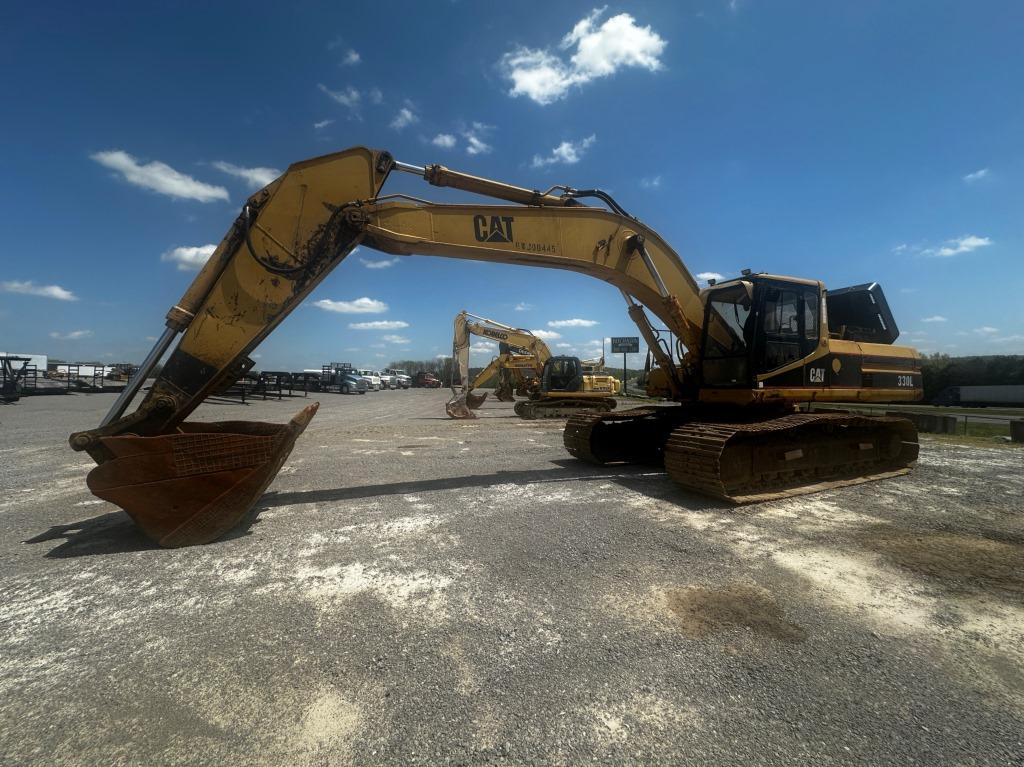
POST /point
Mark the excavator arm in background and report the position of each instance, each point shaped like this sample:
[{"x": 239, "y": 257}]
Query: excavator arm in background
[
  {"x": 532, "y": 348},
  {"x": 187, "y": 483}
]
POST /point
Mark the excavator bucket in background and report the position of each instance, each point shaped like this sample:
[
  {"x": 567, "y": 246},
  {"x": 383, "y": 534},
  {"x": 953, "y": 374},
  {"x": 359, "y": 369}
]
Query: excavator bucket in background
[
  {"x": 462, "y": 405},
  {"x": 193, "y": 486}
]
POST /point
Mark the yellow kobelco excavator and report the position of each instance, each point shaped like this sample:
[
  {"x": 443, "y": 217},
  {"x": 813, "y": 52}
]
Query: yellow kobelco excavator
[
  {"x": 560, "y": 386},
  {"x": 749, "y": 349},
  {"x": 521, "y": 356}
]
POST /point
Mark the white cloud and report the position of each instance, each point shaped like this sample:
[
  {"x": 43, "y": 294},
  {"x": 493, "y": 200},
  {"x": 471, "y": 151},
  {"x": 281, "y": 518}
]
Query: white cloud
[
  {"x": 566, "y": 153},
  {"x": 29, "y": 288},
  {"x": 376, "y": 97},
  {"x": 379, "y": 325},
  {"x": 985, "y": 330},
  {"x": 598, "y": 51},
  {"x": 404, "y": 118},
  {"x": 978, "y": 175},
  {"x": 475, "y": 143},
  {"x": 935, "y": 318},
  {"x": 573, "y": 323},
  {"x": 958, "y": 245},
  {"x": 352, "y": 58},
  {"x": 901, "y": 248},
  {"x": 484, "y": 346},
  {"x": 370, "y": 263},
  {"x": 1008, "y": 339},
  {"x": 362, "y": 305},
  {"x": 256, "y": 178},
  {"x": 443, "y": 357},
  {"x": 563, "y": 345},
  {"x": 522, "y": 306},
  {"x": 349, "y": 97},
  {"x": 159, "y": 177},
  {"x": 74, "y": 335},
  {"x": 393, "y": 339},
  {"x": 189, "y": 258},
  {"x": 653, "y": 182},
  {"x": 322, "y": 124},
  {"x": 444, "y": 140},
  {"x": 546, "y": 335},
  {"x": 705, "y": 277}
]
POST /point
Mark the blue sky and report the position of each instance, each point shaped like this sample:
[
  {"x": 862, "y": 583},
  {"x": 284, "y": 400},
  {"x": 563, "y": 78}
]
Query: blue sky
[{"x": 849, "y": 142}]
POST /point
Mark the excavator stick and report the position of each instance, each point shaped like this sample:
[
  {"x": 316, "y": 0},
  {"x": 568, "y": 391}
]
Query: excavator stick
[
  {"x": 193, "y": 486},
  {"x": 189, "y": 483}
]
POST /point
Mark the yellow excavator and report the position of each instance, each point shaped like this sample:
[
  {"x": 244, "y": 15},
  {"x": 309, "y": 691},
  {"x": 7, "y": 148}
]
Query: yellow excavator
[
  {"x": 749, "y": 350},
  {"x": 557, "y": 386}
]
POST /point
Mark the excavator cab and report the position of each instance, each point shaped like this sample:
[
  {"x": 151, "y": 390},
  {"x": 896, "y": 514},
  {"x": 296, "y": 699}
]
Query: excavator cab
[
  {"x": 562, "y": 374},
  {"x": 769, "y": 335},
  {"x": 758, "y": 325}
]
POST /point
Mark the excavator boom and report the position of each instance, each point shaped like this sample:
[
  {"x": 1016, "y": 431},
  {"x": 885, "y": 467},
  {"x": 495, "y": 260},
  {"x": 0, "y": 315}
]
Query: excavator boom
[{"x": 188, "y": 483}]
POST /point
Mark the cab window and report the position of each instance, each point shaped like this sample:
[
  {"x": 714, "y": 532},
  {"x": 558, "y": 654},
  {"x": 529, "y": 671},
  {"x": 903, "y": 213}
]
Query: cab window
[
  {"x": 790, "y": 325},
  {"x": 728, "y": 332}
]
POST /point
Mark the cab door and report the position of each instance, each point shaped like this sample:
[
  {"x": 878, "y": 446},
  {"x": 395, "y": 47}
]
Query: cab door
[{"x": 790, "y": 327}]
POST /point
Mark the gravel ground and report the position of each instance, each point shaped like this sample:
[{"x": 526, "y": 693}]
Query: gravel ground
[{"x": 416, "y": 590}]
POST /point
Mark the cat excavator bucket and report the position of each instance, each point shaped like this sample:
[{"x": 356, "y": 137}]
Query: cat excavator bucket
[
  {"x": 463, "y": 404},
  {"x": 195, "y": 485}
]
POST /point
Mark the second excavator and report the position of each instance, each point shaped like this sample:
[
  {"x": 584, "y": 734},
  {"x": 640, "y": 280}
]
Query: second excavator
[
  {"x": 554, "y": 387},
  {"x": 748, "y": 350}
]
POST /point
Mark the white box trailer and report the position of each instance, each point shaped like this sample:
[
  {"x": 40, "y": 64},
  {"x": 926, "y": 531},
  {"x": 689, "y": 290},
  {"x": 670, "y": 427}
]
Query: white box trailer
[
  {"x": 1008, "y": 395},
  {"x": 86, "y": 371},
  {"x": 993, "y": 395}
]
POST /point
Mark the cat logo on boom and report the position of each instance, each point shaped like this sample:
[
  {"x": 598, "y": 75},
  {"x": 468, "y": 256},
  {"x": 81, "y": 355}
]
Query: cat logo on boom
[{"x": 498, "y": 229}]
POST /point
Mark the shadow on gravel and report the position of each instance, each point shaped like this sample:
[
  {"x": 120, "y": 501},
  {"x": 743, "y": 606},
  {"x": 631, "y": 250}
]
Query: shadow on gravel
[
  {"x": 115, "y": 533},
  {"x": 647, "y": 480},
  {"x": 112, "y": 533}
]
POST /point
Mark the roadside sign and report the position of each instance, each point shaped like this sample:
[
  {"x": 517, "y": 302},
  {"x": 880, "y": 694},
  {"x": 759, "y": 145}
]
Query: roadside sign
[{"x": 625, "y": 344}]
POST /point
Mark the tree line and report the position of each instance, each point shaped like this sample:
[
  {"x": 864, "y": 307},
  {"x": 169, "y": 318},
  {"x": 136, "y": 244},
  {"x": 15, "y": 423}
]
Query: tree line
[{"x": 940, "y": 370}]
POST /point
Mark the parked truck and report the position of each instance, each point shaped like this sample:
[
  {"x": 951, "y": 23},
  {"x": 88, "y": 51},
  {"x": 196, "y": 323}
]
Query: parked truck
[
  {"x": 399, "y": 378},
  {"x": 426, "y": 380}
]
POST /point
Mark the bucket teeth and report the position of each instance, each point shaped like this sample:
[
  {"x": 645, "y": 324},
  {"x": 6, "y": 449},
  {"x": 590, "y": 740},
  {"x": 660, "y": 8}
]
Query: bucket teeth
[
  {"x": 195, "y": 485},
  {"x": 476, "y": 400}
]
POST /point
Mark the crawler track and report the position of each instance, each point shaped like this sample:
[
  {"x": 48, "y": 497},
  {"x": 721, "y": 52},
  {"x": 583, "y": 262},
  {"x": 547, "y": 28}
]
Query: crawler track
[
  {"x": 787, "y": 456},
  {"x": 562, "y": 408},
  {"x": 601, "y": 438},
  {"x": 776, "y": 457}
]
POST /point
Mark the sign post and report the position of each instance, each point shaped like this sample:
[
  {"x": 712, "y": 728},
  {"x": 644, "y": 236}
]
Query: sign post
[{"x": 625, "y": 345}]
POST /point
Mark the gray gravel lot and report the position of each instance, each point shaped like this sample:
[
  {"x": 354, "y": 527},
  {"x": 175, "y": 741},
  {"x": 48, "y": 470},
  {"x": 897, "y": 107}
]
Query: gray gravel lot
[{"x": 416, "y": 590}]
